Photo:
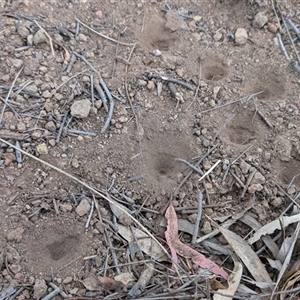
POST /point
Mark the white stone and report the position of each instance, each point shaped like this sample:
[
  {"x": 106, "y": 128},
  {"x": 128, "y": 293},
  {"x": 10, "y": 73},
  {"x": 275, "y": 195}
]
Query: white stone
[
  {"x": 81, "y": 108},
  {"x": 241, "y": 36},
  {"x": 83, "y": 208}
]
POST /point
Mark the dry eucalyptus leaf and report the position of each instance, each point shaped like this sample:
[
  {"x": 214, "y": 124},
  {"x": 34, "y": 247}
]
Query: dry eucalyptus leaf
[
  {"x": 125, "y": 278},
  {"x": 98, "y": 283},
  {"x": 275, "y": 264},
  {"x": 147, "y": 245},
  {"x": 233, "y": 281},
  {"x": 272, "y": 226},
  {"x": 248, "y": 256},
  {"x": 176, "y": 246}
]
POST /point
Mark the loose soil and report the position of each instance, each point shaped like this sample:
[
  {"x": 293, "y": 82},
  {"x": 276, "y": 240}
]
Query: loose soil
[{"x": 135, "y": 156}]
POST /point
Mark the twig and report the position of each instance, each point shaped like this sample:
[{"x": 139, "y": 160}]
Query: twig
[
  {"x": 77, "y": 28},
  {"x": 248, "y": 182},
  {"x": 295, "y": 66},
  {"x": 132, "y": 108},
  {"x": 90, "y": 215},
  {"x": 191, "y": 172},
  {"x": 71, "y": 262},
  {"x": 92, "y": 89},
  {"x": 10, "y": 290},
  {"x": 62, "y": 124},
  {"x": 143, "y": 24},
  {"x": 281, "y": 44},
  {"x": 107, "y": 91},
  {"x": 92, "y": 190},
  {"x": 118, "y": 98},
  {"x": 210, "y": 170},
  {"x": 173, "y": 80},
  {"x": 102, "y": 35},
  {"x": 289, "y": 34},
  {"x": 199, "y": 171},
  {"x": 198, "y": 220},
  {"x": 237, "y": 179},
  {"x": 18, "y": 152},
  {"x": 86, "y": 62},
  {"x": 9, "y": 92},
  {"x": 112, "y": 251},
  {"x": 144, "y": 279},
  {"x": 11, "y": 107},
  {"x": 136, "y": 241},
  {"x": 246, "y": 150},
  {"x": 74, "y": 131},
  {"x": 71, "y": 63},
  {"x": 52, "y": 294},
  {"x": 232, "y": 102},
  {"x": 267, "y": 121},
  {"x": 55, "y": 206},
  {"x": 229, "y": 165},
  {"x": 62, "y": 293},
  {"x": 102, "y": 96},
  {"x": 223, "y": 126},
  {"x": 115, "y": 58},
  {"x": 293, "y": 200},
  {"x": 109, "y": 117},
  {"x": 293, "y": 26},
  {"x": 197, "y": 89},
  {"x": 48, "y": 36},
  {"x": 17, "y": 293}
]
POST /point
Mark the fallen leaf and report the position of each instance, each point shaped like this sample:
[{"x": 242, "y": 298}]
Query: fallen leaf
[
  {"x": 285, "y": 247},
  {"x": 248, "y": 256},
  {"x": 287, "y": 259},
  {"x": 146, "y": 243},
  {"x": 233, "y": 281},
  {"x": 275, "y": 264},
  {"x": 290, "y": 273},
  {"x": 272, "y": 226},
  {"x": 97, "y": 283},
  {"x": 176, "y": 246},
  {"x": 125, "y": 278},
  {"x": 216, "y": 285},
  {"x": 291, "y": 283}
]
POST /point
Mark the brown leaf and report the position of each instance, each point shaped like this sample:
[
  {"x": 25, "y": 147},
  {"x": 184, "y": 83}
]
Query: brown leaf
[{"x": 97, "y": 283}]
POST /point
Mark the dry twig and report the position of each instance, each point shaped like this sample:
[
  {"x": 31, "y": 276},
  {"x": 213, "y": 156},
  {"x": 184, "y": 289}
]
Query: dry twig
[
  {"x": 9, "y": 92},
  {"x": 102, "y": 35}
]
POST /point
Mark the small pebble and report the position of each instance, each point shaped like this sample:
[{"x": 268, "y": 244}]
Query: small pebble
[
  {"x": 42, "y": 149},
  {"x": 206, "y": 143},
  {"x": 277, "y": 202},
  {"x": 218, "y": 36},
  {"x": 197, "y": 133},
  {"x": 52, "y": 142},
  {"x": 157, "y": 52},
  {"x": 151, "y": 85},
  {"x": 260, "y": 19},
  {"x": 241, "y": 36},
  {"x": 142, "y": 82},
  {"x": 256, "y": 187},
  {"x": 181, "y": 195},
  {"x": 83, "y": 208}
]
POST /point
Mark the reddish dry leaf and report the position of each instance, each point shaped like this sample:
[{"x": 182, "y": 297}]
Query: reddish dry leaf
[
  {"x": 176, "y": 246},
  {"x": 97, "y": 283}
]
